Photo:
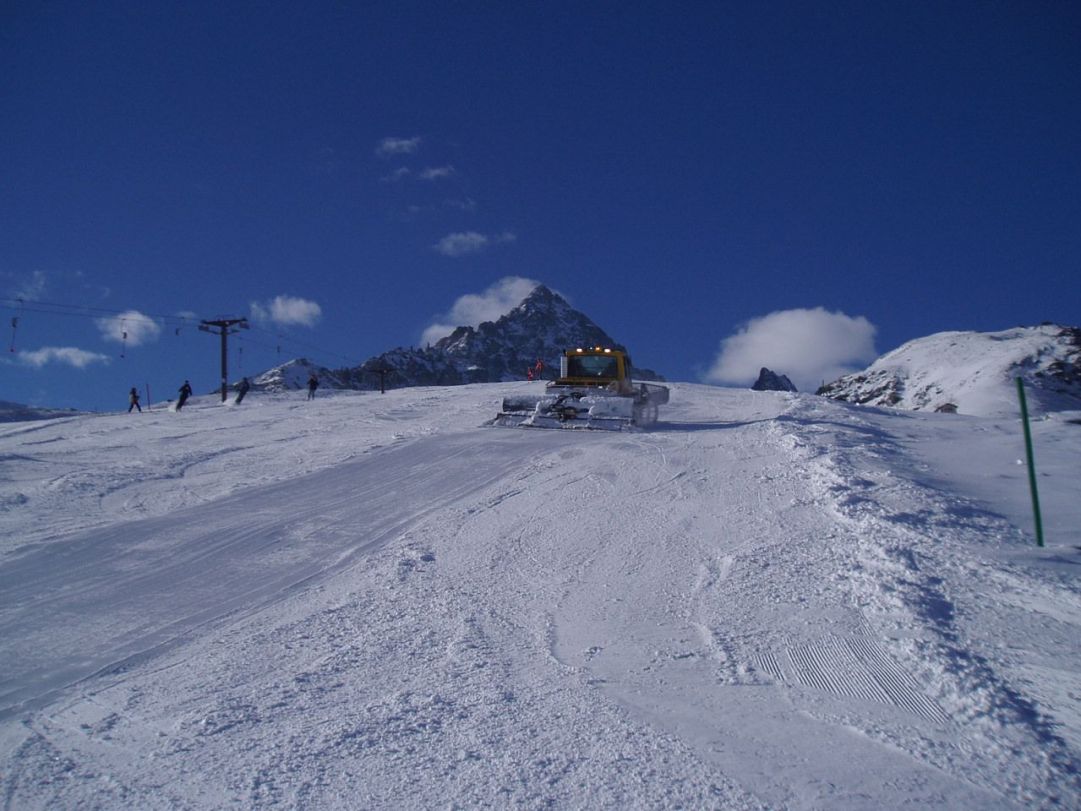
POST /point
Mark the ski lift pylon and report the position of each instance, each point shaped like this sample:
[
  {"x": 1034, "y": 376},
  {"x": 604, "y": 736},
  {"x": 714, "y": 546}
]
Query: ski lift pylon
[{"x": 15, "y": 323}]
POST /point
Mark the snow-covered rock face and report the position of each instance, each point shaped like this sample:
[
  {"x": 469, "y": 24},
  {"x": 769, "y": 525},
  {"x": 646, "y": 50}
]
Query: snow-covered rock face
[
  {"x": 541, "y": 327},
  {"x": 973, "y": 373},
  {"x": 294, "y": 375}
]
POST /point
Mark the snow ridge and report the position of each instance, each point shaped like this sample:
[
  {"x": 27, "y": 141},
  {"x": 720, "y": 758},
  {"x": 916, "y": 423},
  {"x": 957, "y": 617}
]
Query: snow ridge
[
  {"x": 541, "y": 327},
  {"x": 972, "y": 372},
  {"x": 294, "y": 375},
  {"x": 16, "y": 412},
  {"x": 904, "y": 578}
]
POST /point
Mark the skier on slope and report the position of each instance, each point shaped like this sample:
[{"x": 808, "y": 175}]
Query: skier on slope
[
  {"x": 133, "y": 400},
  {"x": 185, "y": 393},
  {"x": 313, "y": 384},
  {"x": 242, "y": 389}
]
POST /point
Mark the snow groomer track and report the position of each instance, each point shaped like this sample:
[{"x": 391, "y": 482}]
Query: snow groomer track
[{"x": 767, "y": 601}]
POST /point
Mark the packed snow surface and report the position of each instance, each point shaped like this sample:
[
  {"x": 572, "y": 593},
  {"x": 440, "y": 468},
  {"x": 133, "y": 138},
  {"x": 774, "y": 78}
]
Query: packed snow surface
[{"x": 771, "y": 600}]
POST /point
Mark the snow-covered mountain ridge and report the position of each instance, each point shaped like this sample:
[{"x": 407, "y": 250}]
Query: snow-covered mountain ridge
[
  {"x": 294, "y": 375},
  {"x": 972, "y": 372},
  {"x": 17, "y": 412},
  {"x": 965, "y": 372},
  {"x": 540, "y": 327},
  {"x": 772, "y": 600}
]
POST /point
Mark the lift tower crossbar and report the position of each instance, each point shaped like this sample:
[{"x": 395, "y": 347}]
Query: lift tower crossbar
[{"x": 225, "y": 328}]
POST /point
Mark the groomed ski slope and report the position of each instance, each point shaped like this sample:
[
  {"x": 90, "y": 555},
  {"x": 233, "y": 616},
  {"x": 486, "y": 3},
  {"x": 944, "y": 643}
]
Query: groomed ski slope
[{"x": 375, "y": 601}]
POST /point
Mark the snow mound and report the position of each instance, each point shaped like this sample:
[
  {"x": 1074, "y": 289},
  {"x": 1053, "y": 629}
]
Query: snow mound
[
  {"x": 973, "y": 373},
  {"x": 294, "y": 375}
]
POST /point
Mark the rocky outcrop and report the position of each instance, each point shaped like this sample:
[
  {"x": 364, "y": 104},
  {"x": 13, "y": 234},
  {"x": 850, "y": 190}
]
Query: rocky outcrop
[
  {"x": 771, "y": 381},
  {"x": 972, "y": 372}
]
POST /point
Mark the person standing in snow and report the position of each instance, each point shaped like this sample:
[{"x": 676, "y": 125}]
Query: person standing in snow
[
  {"x": 185, "y": 393},
  {"x": 133, "y": 400},
  {"x": 313, "y": 384},
  {"x": 242, "y": 389}
]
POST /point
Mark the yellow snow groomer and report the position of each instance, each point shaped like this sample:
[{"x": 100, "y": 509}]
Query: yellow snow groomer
[{"x": 594, "y": 390}]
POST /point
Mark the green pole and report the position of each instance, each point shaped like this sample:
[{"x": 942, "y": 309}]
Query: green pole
[{"x": 1031, "y": 463}]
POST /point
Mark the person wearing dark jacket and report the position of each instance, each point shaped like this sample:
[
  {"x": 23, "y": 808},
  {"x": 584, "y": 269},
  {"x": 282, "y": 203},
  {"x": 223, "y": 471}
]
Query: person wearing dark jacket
[
  {"x": 313, "y": 384},
  {"x": 242, "y": 389},
  {"x": 133, "y": 400},
  {"x": 185, "y": 393}
]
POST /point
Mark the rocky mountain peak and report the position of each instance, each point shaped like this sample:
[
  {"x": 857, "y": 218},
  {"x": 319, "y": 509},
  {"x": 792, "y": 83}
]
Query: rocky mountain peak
[
  {"x": 293, "y": 375},
  {"x": 771, "y": 381},
  {"x": 541, "y": 301},
  {"x": 535, "y": 326},
  {"x": 540, "y": 327}
]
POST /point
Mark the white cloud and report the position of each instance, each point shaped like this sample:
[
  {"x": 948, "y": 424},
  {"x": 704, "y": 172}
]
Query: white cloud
[
  {"x": 287, "y": 311},
  {"x": 438, "y": 173},
  {"x": 809, "y": 346},
  {"x": 400, "y": 173},
  {"x": 131, "y": 328},
  {"x": 470, "y": 310},
  {"x": 467, "y": 242},
  {"x": 397, "y": 146},
  {"x": 462, "y": 204},
  {"x": 462, "y": 243},
  {"x": 79, "y": 358},
  {"x": 32, "y": 288}
]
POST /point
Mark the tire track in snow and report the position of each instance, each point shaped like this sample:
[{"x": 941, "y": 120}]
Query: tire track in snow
[
  {"x": 102, "y": 599},
  {"x": 898, "y": 684},
  {"x": 903, "y": 577},
  {"x": 767, "y": 663},
  {"x": 830, "y": 666},
  {"x": 740, "y": 558},
  {"x": 853, "y": 667}
]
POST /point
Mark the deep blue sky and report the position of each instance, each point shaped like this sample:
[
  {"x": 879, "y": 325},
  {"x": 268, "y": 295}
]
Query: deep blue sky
[{"x": 676, "y": 170}]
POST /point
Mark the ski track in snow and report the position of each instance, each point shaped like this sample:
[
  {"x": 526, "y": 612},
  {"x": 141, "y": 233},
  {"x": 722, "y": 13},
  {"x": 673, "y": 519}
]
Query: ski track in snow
[{"x": 771, "y": 601}]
